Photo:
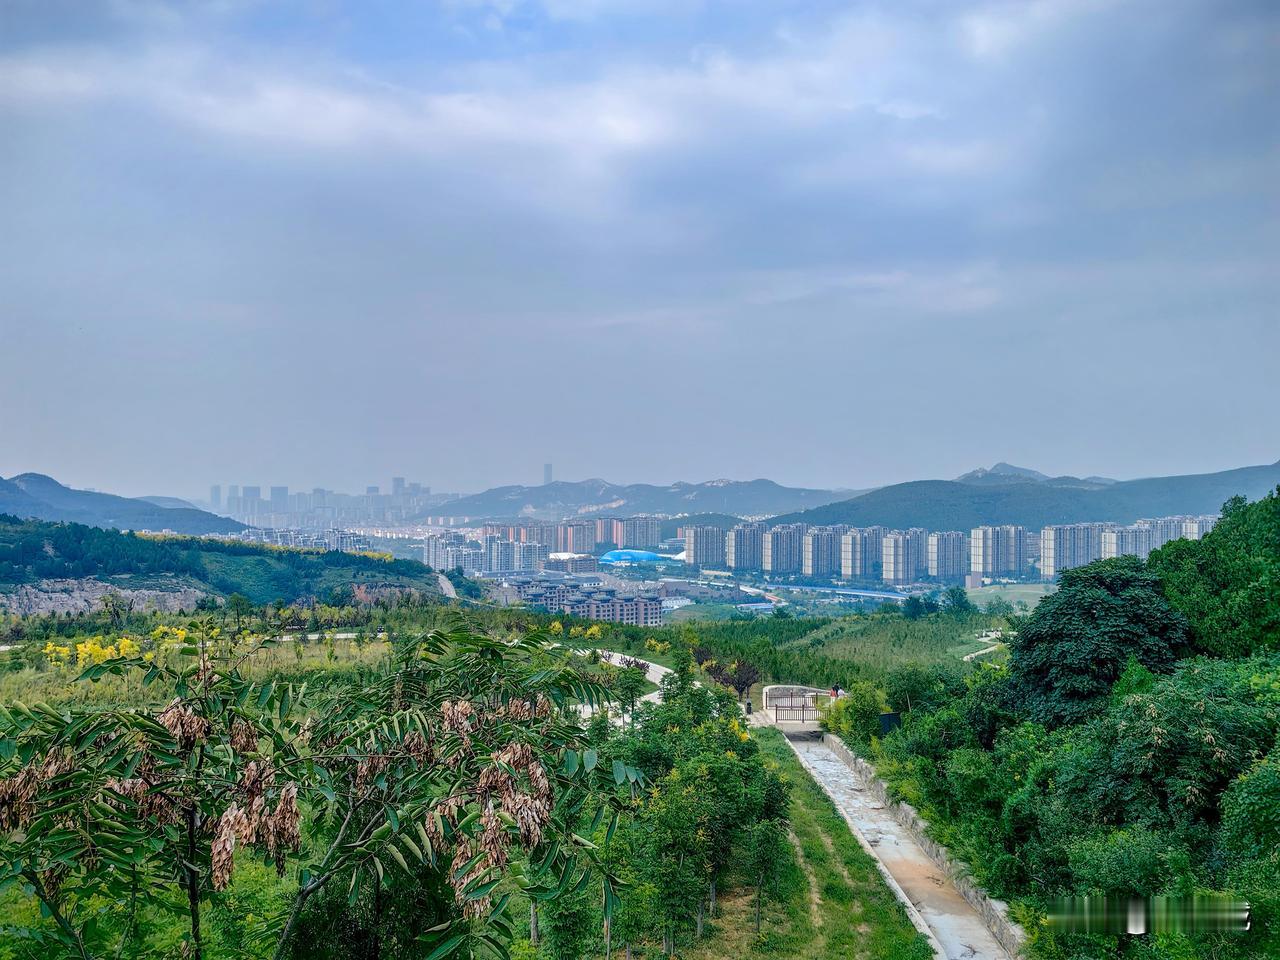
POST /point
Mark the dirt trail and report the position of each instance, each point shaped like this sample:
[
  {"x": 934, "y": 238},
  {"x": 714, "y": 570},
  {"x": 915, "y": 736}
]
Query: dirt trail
[
  {"x": 815, "y": 896},
  {"x": 957, "y": 927}
]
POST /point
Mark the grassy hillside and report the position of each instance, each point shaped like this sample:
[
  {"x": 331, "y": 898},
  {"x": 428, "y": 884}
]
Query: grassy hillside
[
  {"x": 953, "y": 505},
  {"x": 33, "y": 550}
]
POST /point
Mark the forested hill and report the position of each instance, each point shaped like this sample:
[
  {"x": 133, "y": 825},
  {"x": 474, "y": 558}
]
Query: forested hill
[
  {"x": 32, "y": 551},
  {"x": 958, "y": 505},
  {"x": 41, "y": 497}
]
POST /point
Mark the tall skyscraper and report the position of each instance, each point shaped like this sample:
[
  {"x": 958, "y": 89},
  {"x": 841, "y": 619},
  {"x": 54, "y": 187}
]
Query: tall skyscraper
[
  {"x": 948, "y": 555},
  {"x": 546, "y": 473},
  {"x": 397, "y": 486},
  {"x": 704, "y": 546},
  {"x": 744, "y": 547},
  {"x": 215, "y": 497},
  {"x": 251, "y": 494}
]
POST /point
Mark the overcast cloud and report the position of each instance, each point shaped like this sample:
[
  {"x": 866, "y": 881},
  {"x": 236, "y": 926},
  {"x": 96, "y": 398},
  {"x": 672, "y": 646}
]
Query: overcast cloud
[{"x": 835, "y": 244}]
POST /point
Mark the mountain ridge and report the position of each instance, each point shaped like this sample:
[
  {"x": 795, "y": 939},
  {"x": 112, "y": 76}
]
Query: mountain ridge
[
  {"x": 596, "y": 496},
  {"x": 41, "y": 497},
  {"x": 957, "y": 505}
]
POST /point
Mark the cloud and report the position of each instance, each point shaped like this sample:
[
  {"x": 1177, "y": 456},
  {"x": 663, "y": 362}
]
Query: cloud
[{"x": 532, "y": 194}]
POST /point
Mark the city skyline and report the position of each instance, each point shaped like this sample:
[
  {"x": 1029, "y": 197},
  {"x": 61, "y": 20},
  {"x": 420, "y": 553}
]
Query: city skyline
[{"x": 253, "y": 234}]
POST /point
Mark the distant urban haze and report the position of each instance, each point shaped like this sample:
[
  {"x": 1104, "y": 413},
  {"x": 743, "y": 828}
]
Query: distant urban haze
[{"x": 832, "y": 244}]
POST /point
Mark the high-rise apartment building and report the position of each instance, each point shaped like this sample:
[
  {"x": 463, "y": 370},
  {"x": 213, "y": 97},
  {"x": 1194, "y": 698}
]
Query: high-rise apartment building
[
  {"x": 499, "y": 555},
  {"x": 1133, "y": 540},
  {"x": 251, "y": 495},
  {"x": 279, "y": 499},
  {"x": 997, "y": 551},
  {"x": 820, "y": 552},
  {"x": 898, "y": 561},
  {"x": 861, "y": 553},
  {"x": 920, "y": 537},
  {"x": 530, "y": 556},
  {"x": 948, "y": 556},
  {"x": 638, "y": 532},
  {"x": 704, "y": 546},
  {"x": 576, "y": 536},
  {"x": 744, "y": 547},
  {"x": 546, "y": 473},
  {"x": 1193, "y": 528},
  {"x": 780, "y": 549},
  {"x": 1063, "y": 546},
  {"x": 215, "y": 497},
  {"x": 1164, "y": 529}
]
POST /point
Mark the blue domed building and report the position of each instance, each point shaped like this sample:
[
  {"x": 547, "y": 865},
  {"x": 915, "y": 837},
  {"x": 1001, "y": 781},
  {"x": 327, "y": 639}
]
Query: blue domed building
[{"x": 635, "y": 556}]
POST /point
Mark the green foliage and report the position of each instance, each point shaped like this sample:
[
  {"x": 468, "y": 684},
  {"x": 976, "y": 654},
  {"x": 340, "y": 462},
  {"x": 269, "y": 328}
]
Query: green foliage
[
  {"x": 1228, "y": 583},
  {"x": 33, "y": 550},
  {"x": 855, "y": 717},
  {"x": 1071, "y": 650},
  {"x": 401, "y": 799},
  {"x": 1251, "y": 810}
]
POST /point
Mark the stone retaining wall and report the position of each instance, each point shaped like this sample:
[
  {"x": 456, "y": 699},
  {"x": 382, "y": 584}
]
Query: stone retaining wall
[{"x": 994, "y": 913}]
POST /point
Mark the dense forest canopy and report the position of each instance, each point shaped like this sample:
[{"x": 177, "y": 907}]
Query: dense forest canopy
[{"x": 32, "y": 550}]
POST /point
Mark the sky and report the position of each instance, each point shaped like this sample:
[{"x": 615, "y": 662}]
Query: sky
[{"x": 323, "y": 243}]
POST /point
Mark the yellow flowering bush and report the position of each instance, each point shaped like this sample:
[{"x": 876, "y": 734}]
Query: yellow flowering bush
[
  {"x": 92, "y": 651},
  {"x": 56, "y": 655}
]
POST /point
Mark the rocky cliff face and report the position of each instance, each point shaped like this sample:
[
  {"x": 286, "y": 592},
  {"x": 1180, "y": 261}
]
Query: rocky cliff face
[{"x": 82, "y": 596}]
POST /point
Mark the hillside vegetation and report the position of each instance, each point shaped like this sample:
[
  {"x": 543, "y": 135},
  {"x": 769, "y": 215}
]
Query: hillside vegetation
[
  {"x": 35, "y": 495},
  {"x": 33, "y": 550},
  {"x": 1129, "y": 747}
]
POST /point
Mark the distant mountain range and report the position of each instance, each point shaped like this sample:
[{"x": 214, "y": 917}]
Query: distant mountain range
[
  {"x": 43, "y": 498},
  {"x": 1003, "y": 473},
  {"x": 1016, "y": 495},
  {"x": 560, "y": 499}
]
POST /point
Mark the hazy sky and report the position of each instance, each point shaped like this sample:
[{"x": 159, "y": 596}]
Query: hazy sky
[{"x": 321, "y": 243}]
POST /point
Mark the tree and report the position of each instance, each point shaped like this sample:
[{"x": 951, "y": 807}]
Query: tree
[
  {"x": 239, "y": 606},
  {"x": 629, "y": 686},
  {"x": 742, "y": 676},
  {"x": 1077, "y": 642},
  {"x": 410, "y": 775},
  {"x": 1228, "y": 583},
  {"x": 855, "y": 717},
  {"x": 956, "y": 602},
  {"x": 766, "y": 847}
]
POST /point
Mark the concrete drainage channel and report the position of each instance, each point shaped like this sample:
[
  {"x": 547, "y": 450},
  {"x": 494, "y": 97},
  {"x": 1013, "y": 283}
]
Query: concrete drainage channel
[{"x": 956, "y": 929}]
